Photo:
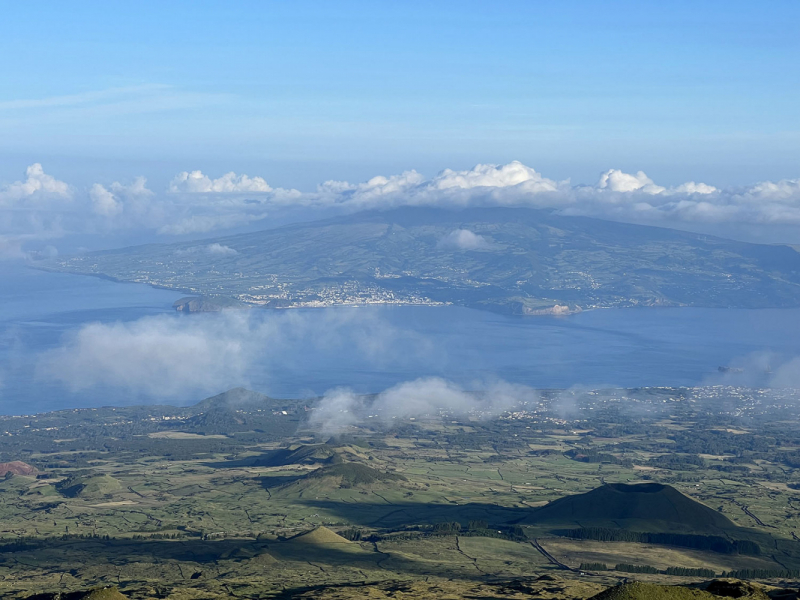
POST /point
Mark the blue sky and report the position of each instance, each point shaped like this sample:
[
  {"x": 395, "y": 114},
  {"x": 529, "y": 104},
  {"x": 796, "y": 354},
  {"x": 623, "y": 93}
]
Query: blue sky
[{"x": 301, "y": 92}]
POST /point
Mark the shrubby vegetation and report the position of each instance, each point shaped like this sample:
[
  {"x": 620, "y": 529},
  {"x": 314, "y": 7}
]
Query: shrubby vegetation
[
  {"x": 763, "y": 573},
  {"x": 687, "y": 572},
  {"x": 677, "y": 462},
  {"x": 627, "y": 568},
  {"x": 592, "y": 455}
]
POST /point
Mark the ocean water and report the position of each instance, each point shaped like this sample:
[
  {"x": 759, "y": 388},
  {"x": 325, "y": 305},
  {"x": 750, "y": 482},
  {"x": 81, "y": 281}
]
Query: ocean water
[{"x": 72, "y": 341}]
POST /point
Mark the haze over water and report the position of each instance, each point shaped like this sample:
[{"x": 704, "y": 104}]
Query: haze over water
[{"x": 303, "y": 353}]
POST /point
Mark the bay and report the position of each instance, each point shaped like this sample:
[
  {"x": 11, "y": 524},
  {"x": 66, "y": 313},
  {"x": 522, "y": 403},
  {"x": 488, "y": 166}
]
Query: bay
[{"x": 304, "y": 352}]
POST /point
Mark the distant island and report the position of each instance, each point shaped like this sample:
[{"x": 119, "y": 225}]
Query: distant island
[{"x": 514, "y": 261}]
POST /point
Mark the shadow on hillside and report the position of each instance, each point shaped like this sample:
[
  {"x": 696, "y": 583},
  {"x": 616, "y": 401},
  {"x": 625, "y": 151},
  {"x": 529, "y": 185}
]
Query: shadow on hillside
[
  {"x": 270, "y": 483},
  {"x": 268, "y": 459},
  {"x": 73, "y": 555},
  {"x": 385, "y": 514}
]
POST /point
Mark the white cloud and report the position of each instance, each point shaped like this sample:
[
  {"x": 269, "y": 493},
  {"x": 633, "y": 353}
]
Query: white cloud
[
  {"x": 690, "y": 187},
  {"x": 340, "y": 408},
  {"x": 38, "y": 188},
  {"x": 372, "y": 192},
  {"x": 464, "y": 239},
  {"x": 495, "y": 176},
  {"x": 785, "y": 189},
  {"x": 195, "y": 182},
  {"x": 220, "y": 250},
  {"x": 507, "y": 184},
  {"x": 104, "y": 202},
  {"x": 615, "y": 180},
  {"x": 157, "y": 356},
  {"x": 34, "y": 210},
  {"x": 127, "y": 206}
]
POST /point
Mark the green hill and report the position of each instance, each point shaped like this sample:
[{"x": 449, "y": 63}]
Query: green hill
[
  {"x": 312, "y": 454},
  {"x": 354, "y": 474},
  {"x": 716, "y": 589},
  {"x": 242, "y": 410},
  {"x": 335, "y": 477},
  {"x": 17, "y": 483},
  {"x": 98, "y": 593},
  {"x": 306, "y": 455},
  {"x": 651, "y": 591},
  {"x": 88, "y": 486},
  {"x": 236, "y": 398},
  {"x": 319, "y": 536},
  {"x": 640, "y": 507}
]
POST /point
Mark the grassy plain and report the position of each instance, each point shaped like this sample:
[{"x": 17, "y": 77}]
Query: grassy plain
[{"x": 162, "y": 503}]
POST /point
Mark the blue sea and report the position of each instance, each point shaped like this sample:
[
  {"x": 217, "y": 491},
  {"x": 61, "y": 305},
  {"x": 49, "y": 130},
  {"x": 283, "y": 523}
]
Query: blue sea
[{"x": 70, "y": 341}]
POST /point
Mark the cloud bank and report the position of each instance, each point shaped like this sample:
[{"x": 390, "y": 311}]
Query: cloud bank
[{"x": 40, "y": 207}]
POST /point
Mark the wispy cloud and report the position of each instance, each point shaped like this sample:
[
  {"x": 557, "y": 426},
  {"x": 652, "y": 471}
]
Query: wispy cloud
[
  {"x": 86, "y": 98},
  {"x": 96, "y": 105}
]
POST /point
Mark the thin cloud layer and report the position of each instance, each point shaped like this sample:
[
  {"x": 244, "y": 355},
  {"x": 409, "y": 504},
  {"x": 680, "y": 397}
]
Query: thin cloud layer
[{"x": 40, "y": 208}]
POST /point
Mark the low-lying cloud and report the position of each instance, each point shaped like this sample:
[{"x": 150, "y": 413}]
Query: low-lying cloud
[
  {"x": 157, "y": 357},
  {"x": 464, "y": 239},
  {"x": 341, "y": 408},
  {"x": 215, "y": 249},
  {"x": 40, "y": 208},
  {"x": 761, "y": 369},
  {"x": 184, "y": 357}
]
